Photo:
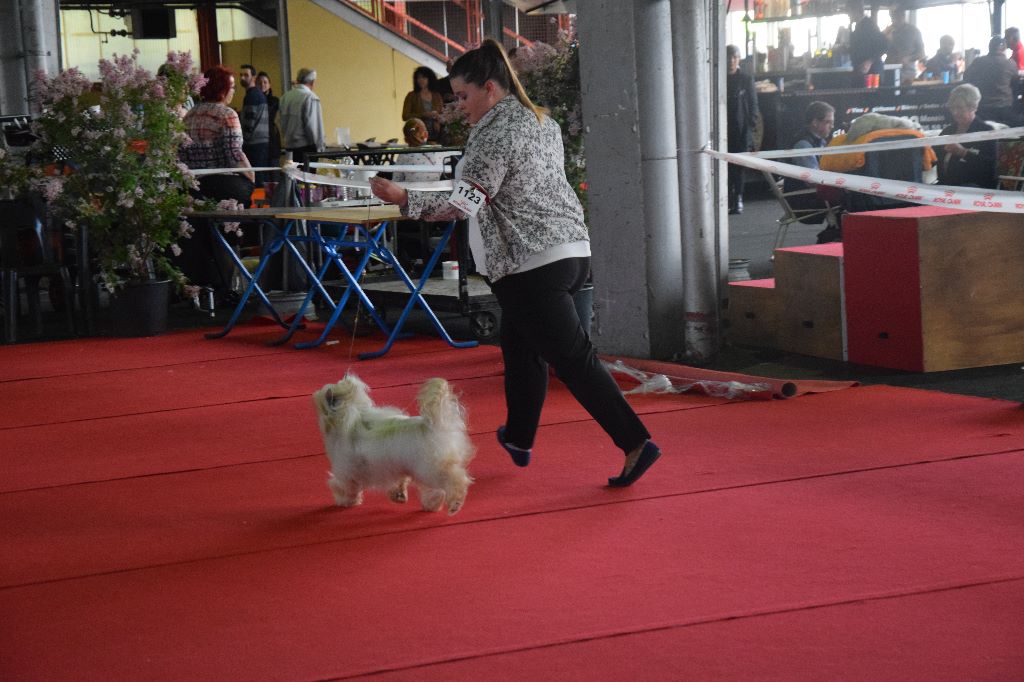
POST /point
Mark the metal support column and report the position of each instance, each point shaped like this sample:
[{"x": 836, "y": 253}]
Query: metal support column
[
  {"x": 660, "y": 173},
  {"x": 284, "y": 45},
  {"x": 696, "y": 46},
  {"x": 494, "y": 21}
]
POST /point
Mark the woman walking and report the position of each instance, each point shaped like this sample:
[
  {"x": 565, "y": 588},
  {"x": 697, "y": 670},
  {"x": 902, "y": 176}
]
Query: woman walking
[{"x": 528, "y": 239}]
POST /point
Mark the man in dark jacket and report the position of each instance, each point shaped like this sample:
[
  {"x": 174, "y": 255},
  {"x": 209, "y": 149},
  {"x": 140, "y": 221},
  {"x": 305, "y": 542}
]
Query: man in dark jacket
[
  {"x": 255, "y": 121},
  {"x": 867, "y": 45},
  {"x": 994, "y": 75},
  {"x": 741, "y": 114}
]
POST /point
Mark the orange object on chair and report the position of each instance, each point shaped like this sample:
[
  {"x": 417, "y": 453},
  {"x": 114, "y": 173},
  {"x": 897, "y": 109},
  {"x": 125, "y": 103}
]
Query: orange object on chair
[{"x": 258, "y": 198}]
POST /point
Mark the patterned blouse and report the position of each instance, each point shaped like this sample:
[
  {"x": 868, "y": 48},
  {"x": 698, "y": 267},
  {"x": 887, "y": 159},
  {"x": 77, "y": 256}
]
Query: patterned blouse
[
  {"x": 216, "y": 137},
  {"x": 519, "y": 164}
]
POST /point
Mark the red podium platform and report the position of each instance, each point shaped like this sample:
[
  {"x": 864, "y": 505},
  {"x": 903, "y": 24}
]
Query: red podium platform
[{"x": 932, "y": 289}]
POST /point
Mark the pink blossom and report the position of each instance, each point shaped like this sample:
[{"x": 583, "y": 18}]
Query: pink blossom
[{"x": 52, "y": 187}]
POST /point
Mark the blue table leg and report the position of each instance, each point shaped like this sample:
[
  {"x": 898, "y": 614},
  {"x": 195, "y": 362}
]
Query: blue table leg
[
  {"x": 316, "y": 285},
  {"x": 253, "y": 285},
  {"x": 417, "y": 297},
  {"x": 369, "y": 247}
]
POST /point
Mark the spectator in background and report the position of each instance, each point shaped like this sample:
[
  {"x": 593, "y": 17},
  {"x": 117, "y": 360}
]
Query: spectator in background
[
  {"x": 215, "y": 141},
  {"x": 905, "y": 46},
  {"x": 867, "y": 44},
  {"x": 273, "y": 104},
  {"x": 741, "y": 116},
  {"x": 994, "y": 75},
  {"x": 255, "y": 124},
  {"x": 424, "y": 101},
  {"x": 182, "y": 108},
  {"x": 444, "y": 85},
  {"x": 972, "y": 164},
  {"x": 302, "y": 119},
  {"x": 819, "y": 120},
  {"x": 944, "y": 60},
  {"x": 414, "y": 235},
  {"x": 1012, "y": 37},
  {"x": 415, "y": 133}
]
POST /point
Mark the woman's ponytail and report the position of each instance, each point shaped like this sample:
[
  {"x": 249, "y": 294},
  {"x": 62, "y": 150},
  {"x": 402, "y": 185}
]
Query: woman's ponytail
[{"x": 489, "y": 62}]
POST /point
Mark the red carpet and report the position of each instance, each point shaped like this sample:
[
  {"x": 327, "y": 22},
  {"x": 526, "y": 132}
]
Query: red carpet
[
  {"x": 82, "y": 356},
  {"x": 170, "y": 521},
  {"x": 403, "y": 600}
]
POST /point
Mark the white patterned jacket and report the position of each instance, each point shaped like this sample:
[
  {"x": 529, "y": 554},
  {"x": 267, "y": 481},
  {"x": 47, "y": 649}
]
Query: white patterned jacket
[{"x": 519, "y": 164}]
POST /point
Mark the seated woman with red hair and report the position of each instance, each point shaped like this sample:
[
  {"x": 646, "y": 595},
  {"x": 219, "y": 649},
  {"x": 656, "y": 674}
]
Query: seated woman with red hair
[{"x": 215, "y": 142}]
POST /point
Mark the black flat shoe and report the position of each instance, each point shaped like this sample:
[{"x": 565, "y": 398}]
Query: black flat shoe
[
  {"x": 519, "y": 456},
  {"x": 648, "y": 456}
]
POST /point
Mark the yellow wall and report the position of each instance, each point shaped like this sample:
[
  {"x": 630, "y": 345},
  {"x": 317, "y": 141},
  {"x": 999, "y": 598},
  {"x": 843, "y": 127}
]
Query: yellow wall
[
  {"x": 261, "y": 53},
  {"x": 361, "y": 81}
]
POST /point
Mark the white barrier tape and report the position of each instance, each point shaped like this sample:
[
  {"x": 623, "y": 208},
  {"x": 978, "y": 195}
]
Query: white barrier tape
[
  {"x": 937, "y": 141},
  {"x": 222, "y": 171},
  {"x": 964, "y": 198},
  {"x": 314, "y": 179},
  {"x": 407, "y": 168}
]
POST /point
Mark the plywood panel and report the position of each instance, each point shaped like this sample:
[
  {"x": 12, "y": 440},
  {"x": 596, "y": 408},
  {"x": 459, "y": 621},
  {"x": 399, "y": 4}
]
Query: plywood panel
[
  {"x": 809, "y": 282},
  {"x": 753, "y": 313},
  {"x": 972, "y": 290}
]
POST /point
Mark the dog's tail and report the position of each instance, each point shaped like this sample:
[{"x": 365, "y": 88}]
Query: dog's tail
[
  {"x": 439, "y": 406},
  {"x": 445, "y": 417}
]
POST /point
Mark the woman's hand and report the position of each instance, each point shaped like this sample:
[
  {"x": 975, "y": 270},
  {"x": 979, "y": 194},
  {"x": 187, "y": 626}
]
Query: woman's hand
[
  {"x": 388, "y": 191},
  {"x": 956, "y": 149}
]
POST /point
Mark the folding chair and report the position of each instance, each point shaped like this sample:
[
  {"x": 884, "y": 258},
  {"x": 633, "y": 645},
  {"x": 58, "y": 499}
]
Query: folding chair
[{"x": 800, "y": 206}]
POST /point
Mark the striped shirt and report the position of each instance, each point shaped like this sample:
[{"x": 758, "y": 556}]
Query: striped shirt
[{"x": 216, "y": 137}]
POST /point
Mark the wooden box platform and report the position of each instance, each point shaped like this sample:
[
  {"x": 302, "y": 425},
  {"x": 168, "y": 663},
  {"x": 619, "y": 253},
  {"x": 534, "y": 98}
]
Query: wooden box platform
[
  {"x": 933, "y": 289},
  {"x": 809, "y": 284},
  {"x": 753, "y": 313}
]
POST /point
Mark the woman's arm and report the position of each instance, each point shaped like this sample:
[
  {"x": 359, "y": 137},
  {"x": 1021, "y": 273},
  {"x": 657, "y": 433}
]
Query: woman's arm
[
  {"x": 244, "y": 163},
  {"x": 431, "y": 206},
  {"x": 233, "y": 141},
  {"x": 408, "y": 106}
]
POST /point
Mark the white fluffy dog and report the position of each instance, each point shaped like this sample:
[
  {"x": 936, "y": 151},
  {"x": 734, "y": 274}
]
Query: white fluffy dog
[{"x": 383, "y": 448}]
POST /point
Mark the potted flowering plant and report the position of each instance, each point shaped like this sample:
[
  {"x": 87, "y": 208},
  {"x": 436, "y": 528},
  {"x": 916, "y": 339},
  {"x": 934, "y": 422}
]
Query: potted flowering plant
[
  {"x": 454, "y": 125},
  {"x": 109, "y": 163},
  {"x": 551, "y": 77}
]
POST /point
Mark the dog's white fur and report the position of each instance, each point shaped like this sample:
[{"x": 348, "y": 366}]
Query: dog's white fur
[{"x": 383, "y": 448}]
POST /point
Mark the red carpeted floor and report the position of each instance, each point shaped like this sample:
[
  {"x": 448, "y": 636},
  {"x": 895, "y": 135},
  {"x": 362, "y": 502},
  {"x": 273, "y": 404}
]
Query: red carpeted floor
[{"x": 164, "y": 516}]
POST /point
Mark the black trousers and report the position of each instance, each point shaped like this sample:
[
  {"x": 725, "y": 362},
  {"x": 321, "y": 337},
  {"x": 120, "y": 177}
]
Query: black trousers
[
  {"x": 258, "y": 155},
  {"x": 540, "y": 326},
  {"x": 735, "y": 183},
  {"x": 202, "y": 260}
]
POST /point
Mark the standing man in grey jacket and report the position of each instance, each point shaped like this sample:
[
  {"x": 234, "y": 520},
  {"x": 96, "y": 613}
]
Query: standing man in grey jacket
[{"x": 302, "y": 120}]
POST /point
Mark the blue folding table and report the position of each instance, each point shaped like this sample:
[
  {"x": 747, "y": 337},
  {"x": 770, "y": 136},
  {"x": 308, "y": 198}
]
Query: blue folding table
[
  {"x": 363, "y": 230},
  {"x": 285, "y": 239}
]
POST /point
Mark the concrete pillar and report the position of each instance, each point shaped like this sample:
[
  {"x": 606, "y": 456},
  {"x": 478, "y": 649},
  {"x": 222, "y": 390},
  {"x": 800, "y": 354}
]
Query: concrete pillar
[
  {"x": 615, "y": 201},
  {"x": 650, "y": 92},
  {"x": 29, "y": 36}
]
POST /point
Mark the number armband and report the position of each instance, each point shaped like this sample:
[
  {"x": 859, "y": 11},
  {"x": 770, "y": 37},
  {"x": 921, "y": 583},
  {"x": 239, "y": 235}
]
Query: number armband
[{"x": 468, "y": 198}]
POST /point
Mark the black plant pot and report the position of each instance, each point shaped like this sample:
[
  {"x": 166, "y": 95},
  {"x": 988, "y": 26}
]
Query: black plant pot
[{"x": 140, "y": 308}]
